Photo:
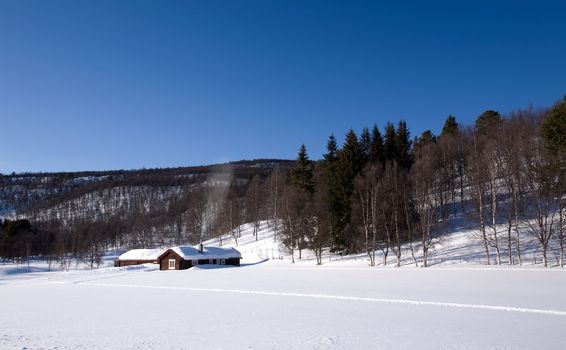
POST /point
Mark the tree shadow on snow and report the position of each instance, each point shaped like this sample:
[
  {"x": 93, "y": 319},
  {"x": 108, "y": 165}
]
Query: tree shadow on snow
[
  {"x": 255, "y": 263},
  {"x": 23, "y": 269}
]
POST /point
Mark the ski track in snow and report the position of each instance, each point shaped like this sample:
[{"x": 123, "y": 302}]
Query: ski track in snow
[
  {"x": 412, "y": 268},
  {"x": 336, "y": 297}
]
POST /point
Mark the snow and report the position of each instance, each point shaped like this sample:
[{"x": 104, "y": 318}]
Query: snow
[
  {"x": 186, "y": 252},
  {"x": 141, "y": 254},
  {"x": 274, "y": 305},
  {"x": 459, "y": 247},
  {"x": 253, "y": 250},
  {"x": 269, "y": 303},
  {"x": 189, "y": 253}
]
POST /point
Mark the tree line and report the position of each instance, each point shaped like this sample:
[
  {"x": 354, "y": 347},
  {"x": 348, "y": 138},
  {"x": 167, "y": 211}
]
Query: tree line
[{"x": 381, "y": 190}]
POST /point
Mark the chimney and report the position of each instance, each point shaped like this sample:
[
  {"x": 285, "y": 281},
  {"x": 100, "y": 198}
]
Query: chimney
[{"x": 200, "y": 248}]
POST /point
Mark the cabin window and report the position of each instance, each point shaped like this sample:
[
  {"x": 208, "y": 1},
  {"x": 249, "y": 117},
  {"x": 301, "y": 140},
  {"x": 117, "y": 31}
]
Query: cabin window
[{"x": 171, "y": 264}]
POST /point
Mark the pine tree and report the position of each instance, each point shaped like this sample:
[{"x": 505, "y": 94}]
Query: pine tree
[
  {"x": 326, "y": 202},
  {"x": 302, "y": 174},
  {"x": 331, "y": 150},
  {"x": 426, "y": 138},
  {"x": 299, "y": 226},
  {"x": 553, "y": 132},
  {"x": 329, "y": 164},
  {"x": 488, "y": 122},
  {"x": 450, "y": 127},
  {"x": 365, "y": 145},
  {"x": 330, "y": 180},
  {"x": 553, "y": 129},
  {"x": 376, "y": 154},
  {"x": 349, "y": 165},
  {"x": 390, "y": 143},
  {"x": 404, "y": 155},
  {"x": 350, "y": 157}
]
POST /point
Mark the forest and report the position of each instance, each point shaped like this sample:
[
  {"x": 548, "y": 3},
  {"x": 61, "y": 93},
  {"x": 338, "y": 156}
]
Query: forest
[{"x": 379, "y": 189}]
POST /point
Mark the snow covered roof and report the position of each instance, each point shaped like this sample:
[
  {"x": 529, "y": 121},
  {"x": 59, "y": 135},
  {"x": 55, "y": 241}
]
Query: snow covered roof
[
  {"x": 192, "y": 253},
  {"x": 187, "y": 253},
  {"x": 141, "y": 254}
]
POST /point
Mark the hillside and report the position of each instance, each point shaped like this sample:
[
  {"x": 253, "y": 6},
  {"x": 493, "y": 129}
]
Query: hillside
[
  {"x": 25, "y": 193},
  {"x": 78, "y": 213},
  {"x": 460, "y": 247},
  {"x": 374, "y": 191}
]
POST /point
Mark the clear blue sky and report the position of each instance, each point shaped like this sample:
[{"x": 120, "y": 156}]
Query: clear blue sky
[{"x": 89, "y": 85}]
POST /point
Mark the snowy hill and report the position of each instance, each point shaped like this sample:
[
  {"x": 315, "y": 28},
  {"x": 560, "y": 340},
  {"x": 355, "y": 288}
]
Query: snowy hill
[
  {"x": 462, "y": 246},
  {"x": 264, "y": 247}
]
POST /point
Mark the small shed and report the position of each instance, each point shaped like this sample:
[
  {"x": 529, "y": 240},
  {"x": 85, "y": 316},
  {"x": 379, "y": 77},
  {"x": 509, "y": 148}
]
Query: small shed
[
  {"x": 182, "y": 258},
  {"x": 138, "y": 257}
]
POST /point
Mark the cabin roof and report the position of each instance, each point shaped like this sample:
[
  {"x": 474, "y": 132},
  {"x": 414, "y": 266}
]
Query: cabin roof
[
  {"x": 184, "y": 252},
  {"x": 141, "y": 254},
  {"x": 192, "y": 253}
]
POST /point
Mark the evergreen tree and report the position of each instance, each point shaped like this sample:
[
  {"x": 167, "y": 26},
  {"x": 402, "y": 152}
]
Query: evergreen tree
[
  {"x": 390, "y": 143},
  {"x": 376, "y": 154},
  {"x": 450, "y": 127},
  {"x": 302, "y": 174},
  {"x": 553, "y": 129},
  {"x": 553, "y": 132},
  {"x": 327, "y": 201},
  {"x": 349, "y": 165},
  {"x": 329, "y": 162},
  {"x": 331, "y": 150},
  {"x": 404, "y": 155},
  {"x": 488, "y": 122},
  {"x": 350, "y": 157},
  {"x": 365, "y": 145},
  {"x": 426, "y": 138},
  {"x": 330, "y": 181}
]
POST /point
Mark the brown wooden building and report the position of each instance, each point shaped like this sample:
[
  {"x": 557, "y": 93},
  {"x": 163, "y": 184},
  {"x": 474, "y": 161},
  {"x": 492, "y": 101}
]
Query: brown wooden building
[{"x": 182, "y": 258}]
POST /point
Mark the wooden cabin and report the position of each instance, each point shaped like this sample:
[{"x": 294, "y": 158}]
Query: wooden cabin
[{"x": 182, "y": 258}]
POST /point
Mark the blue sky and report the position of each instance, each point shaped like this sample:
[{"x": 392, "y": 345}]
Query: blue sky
[{"x": 92, "y": 85}]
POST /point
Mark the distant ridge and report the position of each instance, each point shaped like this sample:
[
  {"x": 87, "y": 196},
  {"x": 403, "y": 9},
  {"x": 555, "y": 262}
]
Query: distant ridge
[{"x": 253, "y": 163}]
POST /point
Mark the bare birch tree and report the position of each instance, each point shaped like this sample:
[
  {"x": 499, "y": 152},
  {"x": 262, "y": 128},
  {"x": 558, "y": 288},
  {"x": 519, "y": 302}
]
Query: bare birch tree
[{"x": 424, "y": 175}]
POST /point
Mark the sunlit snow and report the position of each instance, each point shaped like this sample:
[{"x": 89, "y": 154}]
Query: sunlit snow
[{"x": 269, "y": 303}]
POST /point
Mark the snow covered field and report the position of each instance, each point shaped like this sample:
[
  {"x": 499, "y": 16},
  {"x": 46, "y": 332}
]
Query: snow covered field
[
  {"x": 274, "y": 305},
  {"x": 277, "y": 305}
]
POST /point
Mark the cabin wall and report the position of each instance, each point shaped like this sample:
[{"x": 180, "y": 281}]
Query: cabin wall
[
  {"x": 185, "y": 264},
  {"x": 232, "y": 261},
  {"x": 164, "y": 263},
  {"x": 121, "y": 263}
]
